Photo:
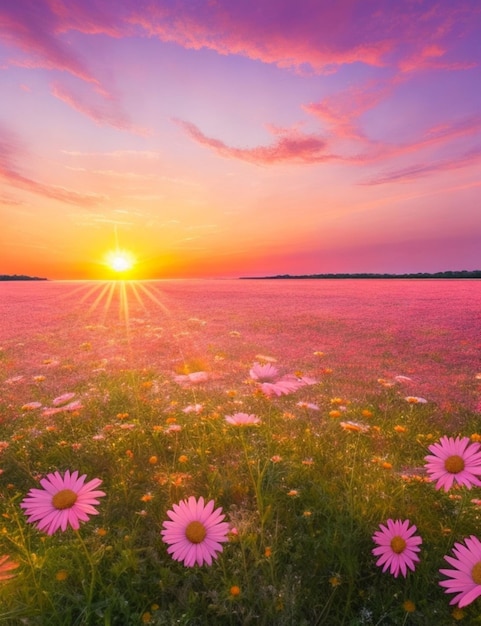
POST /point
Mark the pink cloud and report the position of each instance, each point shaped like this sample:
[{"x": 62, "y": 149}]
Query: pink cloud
[
  {"x": 422, "y": 169},
  {"x": 103, "y": 113},
  {"x": 290, "y": 146},
  {"x": 10, "y": 147},
  {"x": 32, "y": 27}
]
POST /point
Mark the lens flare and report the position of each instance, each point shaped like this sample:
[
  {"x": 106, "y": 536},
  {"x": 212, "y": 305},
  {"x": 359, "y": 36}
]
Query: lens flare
[{"x": 120, "y": 261}]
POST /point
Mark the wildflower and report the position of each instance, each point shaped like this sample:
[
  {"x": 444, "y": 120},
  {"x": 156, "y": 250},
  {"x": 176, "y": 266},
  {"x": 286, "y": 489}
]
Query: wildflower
[
  {"x": 173, "y": 428},
  {"x": 335, "y": 581},
  {"x": 6, "y": 566},
  {"x": 63, "y": 399},
  {"x": 454, "y": 460},
  {"x": 234, "y": 591},
  {"x": 62, "y": 501},
  {"x": 268, "y": 552},
  {"x": 409, "y": 606},
  {"x": 386, "y": 465},
  {"x": 465, "y": 579},
  {"x": 147, "y": 497},
  {"x": 276, "y": 458},
  {"x": 195, "y": 531},
  {"x": 396, "y": 546},
  {"x": 193, "y": 408},
  {"x": 183, "y": 458},
  {"x": 242, "y": 419},
  {"x": 153, "y": 460},
  {"x": 458, "y": 614},
  {"x": 195, "y": 378},
  {"x": 366, "y": 413},
  {"x": 31, "y": 406},
  {"x": 400, "y": 429},
  {"x": 354, "y": 427},
  {"x": 415, "y": 400},
  {"x": 335, "y": 413},
  {"x": 308, "y": 405},
  {"x": 293, "y": 493},
  {"x": 263, "y": 373},
  {"x": 39, "y": 378},
  {"x": 61, "y": 575}
]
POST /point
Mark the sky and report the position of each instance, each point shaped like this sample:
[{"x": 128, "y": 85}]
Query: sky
[{"x": 212, "y": 138}]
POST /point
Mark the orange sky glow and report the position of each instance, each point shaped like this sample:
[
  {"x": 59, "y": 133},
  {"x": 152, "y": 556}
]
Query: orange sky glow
[{"x": 230, "y": 139}]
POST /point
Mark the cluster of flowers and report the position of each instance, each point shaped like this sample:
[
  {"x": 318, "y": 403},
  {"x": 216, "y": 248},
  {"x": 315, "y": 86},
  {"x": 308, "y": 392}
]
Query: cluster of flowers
[
  {"x": 397, "y": 544},
  {"x": 195, "y": 530}
]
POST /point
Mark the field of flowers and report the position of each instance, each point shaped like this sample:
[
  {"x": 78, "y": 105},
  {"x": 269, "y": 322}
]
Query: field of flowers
[{"x": 281, "y": 453}]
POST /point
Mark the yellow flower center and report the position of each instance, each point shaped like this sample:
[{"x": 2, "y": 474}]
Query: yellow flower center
[
  {"x": 64, "y": 499},
  {"x": 195, "y": 532},
  {"x": 476, "y": 573},
  {"x": 454, "y": 464},
  {"x": 398, "y": 544}
]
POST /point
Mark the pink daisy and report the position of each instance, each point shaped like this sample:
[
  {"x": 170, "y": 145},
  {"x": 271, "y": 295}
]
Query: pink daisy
[
  {"x": 242, "y": 419},
  {"x": 194, "y": 532},
  {"x": 62, "y": 501},
  {"x": 263, "y": 373},
  {"x": 465, "y": 578},
  {"x": 397, "y": 546},
  {"x": 454, "y": 460},
  {"x": 6, "y": 566}
]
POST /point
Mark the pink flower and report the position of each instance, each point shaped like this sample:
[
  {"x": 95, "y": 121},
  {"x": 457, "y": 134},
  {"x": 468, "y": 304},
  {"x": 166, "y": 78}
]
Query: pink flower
[
  {"x": 62, "y": 501},
  {"x": 282, "y": 387},
  {"x": 263, "y": 373},
  {"x": 6, "y": 565},
  {"x": 465, "y": 578},
  {"x": 242, "y": 419},
  {"x": 454, "y": 460},
  {"x": 63, "y": 399},
  {"x": 397, "y": 546},
  {"x": 194, "y": 532}
]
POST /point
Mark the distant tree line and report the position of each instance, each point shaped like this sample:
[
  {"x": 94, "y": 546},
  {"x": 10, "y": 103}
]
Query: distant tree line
[
  {"x": 19, "y": 277},
  {"x": 448, "y": 274}
]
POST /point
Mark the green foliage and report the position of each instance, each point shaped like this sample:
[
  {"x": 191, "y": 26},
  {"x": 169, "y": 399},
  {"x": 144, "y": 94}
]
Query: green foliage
[{"x": 303, "y": 495}]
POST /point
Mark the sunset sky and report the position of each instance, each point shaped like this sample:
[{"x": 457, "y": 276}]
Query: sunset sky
[{"x": 222, "y": 138}]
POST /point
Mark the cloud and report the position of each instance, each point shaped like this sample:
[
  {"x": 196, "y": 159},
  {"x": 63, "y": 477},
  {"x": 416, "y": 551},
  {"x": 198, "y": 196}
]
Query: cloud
[
  {"x": 10, "y": 149},
  {"x": 32, "y": 26},
  {"x": 422, "y": 169},
  {"x": 289, "y": 147},
  {"x": 320, "y": 36},
  {"x": 103, "y": 113}
]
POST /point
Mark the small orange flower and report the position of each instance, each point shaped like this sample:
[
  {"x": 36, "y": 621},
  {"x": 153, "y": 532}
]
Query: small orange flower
[
  {"x": 386, "y": 465},
  {"x": 61, "y": 575},
  {"x": 293, "y": 493},
  {"x": 268, "y": 552},
  {"x": 153, "y": 460},
  {"x": 122, "y": 416},
  {"x": 400, "y": 429},
  {"x": 183, "y": 458},
  {"x": 409, "y": 606},
  {"x": 335, "y": 581},
  {"x": 335, "y": 413},
  {"x": 129, "y": 453},
  {"x": 147, "y": 497},
  {"x": 101, "y": 532},
  {"x": 476, "y": 437},
  {"x": 234, "y": 591},
  {"x": 458, "y": 614},
  {"x": 366, "y": 413}
]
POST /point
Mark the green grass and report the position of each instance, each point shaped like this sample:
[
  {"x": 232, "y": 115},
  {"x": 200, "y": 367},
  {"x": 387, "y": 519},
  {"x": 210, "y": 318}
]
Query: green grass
[{"x": 304, "y": 496}]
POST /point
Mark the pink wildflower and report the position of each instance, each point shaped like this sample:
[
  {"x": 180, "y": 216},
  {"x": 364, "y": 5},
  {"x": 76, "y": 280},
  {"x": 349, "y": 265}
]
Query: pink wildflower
[
  {"x": 454, "y": 460},
  {"x": 62, "y": 501},
  {"x": 396, "y": 546},
  {"x": 195, "y": 532},
  {"x": 63, "y": 399},
  {"x": 465, "y": 579},
  {"x": 242, "y": 419},
  {"x": 263, "y": 373}
]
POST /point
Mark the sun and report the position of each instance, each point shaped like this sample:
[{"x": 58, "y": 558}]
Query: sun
[{"x": 120, "y": 261}]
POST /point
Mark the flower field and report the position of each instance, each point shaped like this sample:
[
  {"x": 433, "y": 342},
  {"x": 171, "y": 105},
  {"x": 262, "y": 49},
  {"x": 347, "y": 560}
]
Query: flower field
[{"x": 282, "y": 453}]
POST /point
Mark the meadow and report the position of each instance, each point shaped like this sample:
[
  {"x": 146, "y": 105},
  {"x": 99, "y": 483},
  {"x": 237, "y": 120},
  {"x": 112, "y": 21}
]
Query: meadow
[{"x": 304, "y": 409}]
